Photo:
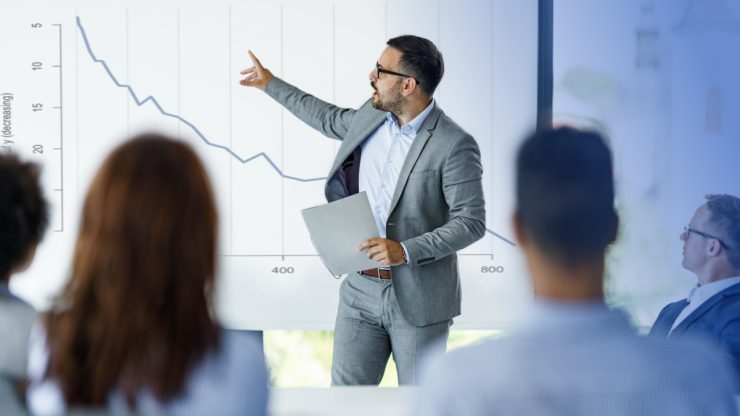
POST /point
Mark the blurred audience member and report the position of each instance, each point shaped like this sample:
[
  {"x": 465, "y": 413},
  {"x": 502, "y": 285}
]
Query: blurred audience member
[
  {"x": 133, "y": 330},
  {"x": 23, "y": 220},
  {"x": 573, "y": 355}
]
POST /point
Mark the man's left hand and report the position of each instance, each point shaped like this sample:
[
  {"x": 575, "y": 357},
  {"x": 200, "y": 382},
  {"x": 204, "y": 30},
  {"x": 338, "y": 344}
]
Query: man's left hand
[{"x": 384, "y": 251}]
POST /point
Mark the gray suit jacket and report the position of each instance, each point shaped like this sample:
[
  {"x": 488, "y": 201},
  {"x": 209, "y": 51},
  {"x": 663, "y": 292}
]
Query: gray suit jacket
[{"x": 436, "y": 210}]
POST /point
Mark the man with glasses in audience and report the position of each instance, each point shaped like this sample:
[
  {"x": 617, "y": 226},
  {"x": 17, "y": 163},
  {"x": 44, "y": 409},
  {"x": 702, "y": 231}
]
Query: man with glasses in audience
[
  {"x": 422, "y": 174},
  {"x": 711, "y": 251}
]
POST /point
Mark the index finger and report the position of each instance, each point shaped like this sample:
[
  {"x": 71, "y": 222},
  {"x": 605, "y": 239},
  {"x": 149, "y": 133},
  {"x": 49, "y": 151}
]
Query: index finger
[{"x": 256, "y": 61}]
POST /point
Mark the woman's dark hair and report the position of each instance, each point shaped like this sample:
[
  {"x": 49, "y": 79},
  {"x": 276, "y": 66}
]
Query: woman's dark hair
[
  {"x": 24, "y": 213},
  {"x": 420, "y": 59},
  {"x": 136, "y": 312}
]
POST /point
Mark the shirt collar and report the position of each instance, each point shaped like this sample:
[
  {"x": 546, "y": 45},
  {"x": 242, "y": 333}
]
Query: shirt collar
[
  {"x": 706, "y": 291},
  {"x": 412, "y": 127}
]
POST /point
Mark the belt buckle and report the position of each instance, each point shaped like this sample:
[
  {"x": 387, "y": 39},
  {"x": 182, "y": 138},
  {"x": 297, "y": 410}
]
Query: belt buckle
[
  {"x": 380, "y": 274},
  {"x": 369, "y": 272}
]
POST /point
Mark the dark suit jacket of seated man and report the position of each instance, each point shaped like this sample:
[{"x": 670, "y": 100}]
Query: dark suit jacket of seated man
[
  {"x": 712, "y": 309},
  {"x": 422, "y": 174}
]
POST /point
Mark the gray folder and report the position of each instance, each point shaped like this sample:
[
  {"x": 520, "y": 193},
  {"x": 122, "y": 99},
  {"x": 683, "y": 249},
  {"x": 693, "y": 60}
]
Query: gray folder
[{"x": 338, "y": 228}]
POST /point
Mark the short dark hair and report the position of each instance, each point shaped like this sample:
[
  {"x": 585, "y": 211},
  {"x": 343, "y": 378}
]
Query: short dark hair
[
  {"x": 725, "y": 218},
  {"x": 420, "y": 59},
  {"x": 565, "y": 193},
  {"x": 23, "y": 211}
]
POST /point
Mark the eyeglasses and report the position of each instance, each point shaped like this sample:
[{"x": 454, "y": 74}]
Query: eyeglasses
[
  {"x": 379, "y": 70},
  {"x": 688, "y": 230}
]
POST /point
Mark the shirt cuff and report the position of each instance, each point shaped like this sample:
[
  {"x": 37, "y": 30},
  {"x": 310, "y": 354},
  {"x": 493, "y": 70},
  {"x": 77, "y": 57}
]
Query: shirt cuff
[{"x": 406, "y": 254}]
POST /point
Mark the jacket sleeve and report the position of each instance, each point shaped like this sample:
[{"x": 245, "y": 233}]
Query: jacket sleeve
[
  {"x": 463, "y": 192},
  {"x": 730, "y": 346},
  {"x": 332, "y": 121}
]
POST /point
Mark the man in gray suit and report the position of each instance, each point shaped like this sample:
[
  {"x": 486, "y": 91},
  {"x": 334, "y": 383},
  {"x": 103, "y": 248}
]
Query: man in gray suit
[{"x": 422, "y": 174}]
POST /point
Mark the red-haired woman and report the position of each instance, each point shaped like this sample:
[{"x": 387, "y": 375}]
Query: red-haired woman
[{"x": 133, "y": 329}]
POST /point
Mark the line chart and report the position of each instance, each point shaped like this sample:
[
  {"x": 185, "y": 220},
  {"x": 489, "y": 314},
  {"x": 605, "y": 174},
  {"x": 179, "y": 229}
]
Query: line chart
[
  {"x": 172, "y": 67},
  {"x": 165, "y": 113},
  {"x": 244, "y": 160}
]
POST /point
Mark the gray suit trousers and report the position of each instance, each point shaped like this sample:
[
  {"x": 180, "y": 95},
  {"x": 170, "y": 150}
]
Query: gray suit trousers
[{"x": 370, "y": 327}]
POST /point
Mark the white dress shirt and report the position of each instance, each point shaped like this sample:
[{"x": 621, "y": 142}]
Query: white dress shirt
[
  {"x": 700, "y": 294},
  {"x": 383, "y": 156}
]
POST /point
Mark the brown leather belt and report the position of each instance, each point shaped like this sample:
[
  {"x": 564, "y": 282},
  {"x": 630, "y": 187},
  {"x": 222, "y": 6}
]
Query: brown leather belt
[{"x": 379, "y": 273}]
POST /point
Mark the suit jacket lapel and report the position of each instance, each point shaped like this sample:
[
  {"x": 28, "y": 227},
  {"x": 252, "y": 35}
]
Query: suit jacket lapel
[
  {"x": 667, "y": 317},
  {"x": 704, "y": 308},
  {"x": 425, "y": 132},
  {"x": 350, "y": 143}
]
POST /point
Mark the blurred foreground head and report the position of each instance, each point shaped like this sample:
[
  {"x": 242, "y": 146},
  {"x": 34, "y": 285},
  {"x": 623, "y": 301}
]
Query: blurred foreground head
[
  {"x": 136, "y": 313},
  {"x": 24, "y": 214},
  {"x": 565, "y": 197}
]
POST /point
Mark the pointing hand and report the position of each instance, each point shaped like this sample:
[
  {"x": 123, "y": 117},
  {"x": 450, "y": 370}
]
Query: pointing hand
[{"x": 256, "y": 75}]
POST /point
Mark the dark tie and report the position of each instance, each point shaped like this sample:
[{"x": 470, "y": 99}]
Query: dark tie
[{"x": 349, "y": 173}]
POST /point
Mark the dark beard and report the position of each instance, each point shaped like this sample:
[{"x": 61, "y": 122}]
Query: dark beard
[{"x": 391, "y": 105}]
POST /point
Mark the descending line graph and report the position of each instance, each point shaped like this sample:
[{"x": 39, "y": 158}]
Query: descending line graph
[
  {"x": 244, "y": 160},
  {"x": 165, "y": 113},
  {"x": 171, "y": 67},
  {"x": 500, "y": 237}
]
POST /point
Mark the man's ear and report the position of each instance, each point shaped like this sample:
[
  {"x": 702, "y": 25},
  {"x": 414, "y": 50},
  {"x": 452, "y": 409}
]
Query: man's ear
[
  {"x": 713, "y": 247},
  {"x": 519, "y": 234},
  {"x": 408, "y": 86}
]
